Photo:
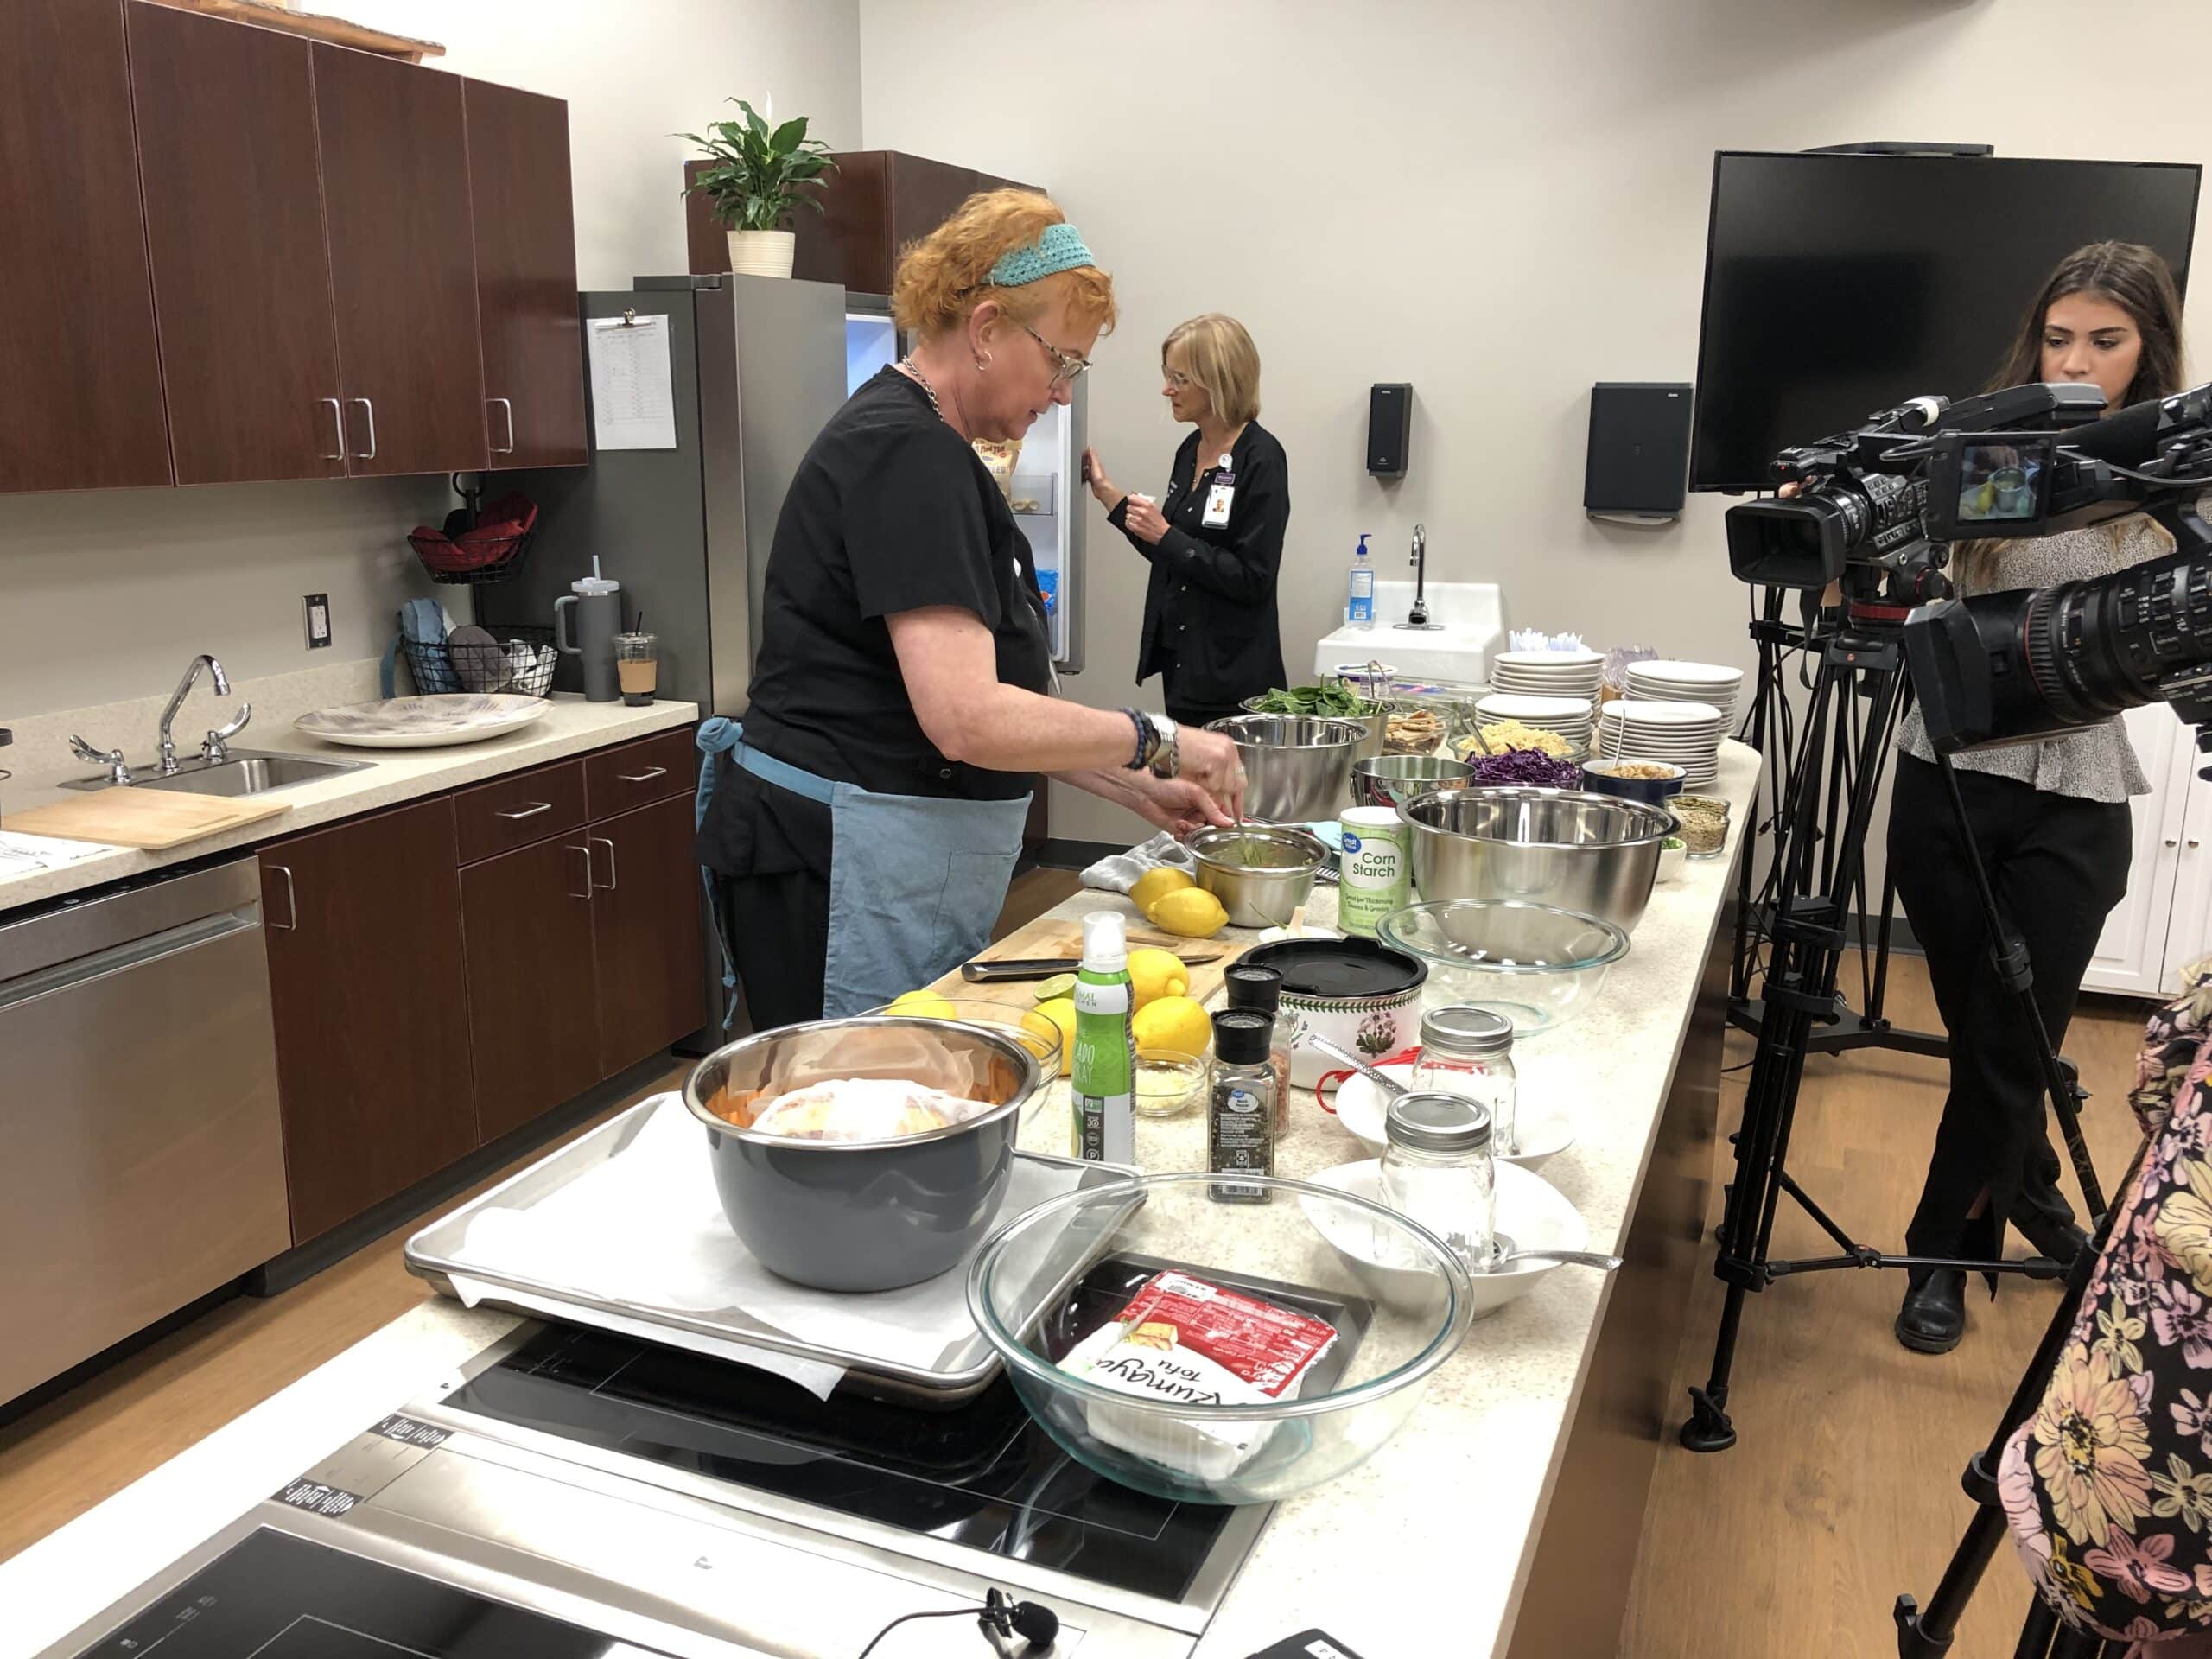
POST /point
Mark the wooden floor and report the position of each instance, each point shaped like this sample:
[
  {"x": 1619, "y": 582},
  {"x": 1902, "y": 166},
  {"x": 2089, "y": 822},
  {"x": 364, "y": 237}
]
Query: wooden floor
[{"x": 1842, "y": 1491}]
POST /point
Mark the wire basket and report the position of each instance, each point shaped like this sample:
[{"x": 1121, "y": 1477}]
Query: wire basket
[
  {"x": 471, "y": 558},
  {"x": 444, "y": 667}
]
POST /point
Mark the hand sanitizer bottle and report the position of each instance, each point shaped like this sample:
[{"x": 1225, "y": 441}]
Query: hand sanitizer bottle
[{"x": 1359, "y": 591}]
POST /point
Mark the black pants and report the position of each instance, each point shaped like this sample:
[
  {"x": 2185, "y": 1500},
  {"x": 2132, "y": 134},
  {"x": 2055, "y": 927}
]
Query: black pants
[
  {"x": 1186, "y": 705},
  {"x": 770, "y": 852},
  {"x": 2058, "y": 865}
]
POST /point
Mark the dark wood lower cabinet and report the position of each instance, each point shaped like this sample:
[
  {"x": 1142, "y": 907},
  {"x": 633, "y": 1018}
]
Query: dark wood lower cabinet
[
  {"x": 646, "y": 930},
  {"x": 362, "y": 923},
  {"x": 527, "y": 920}
]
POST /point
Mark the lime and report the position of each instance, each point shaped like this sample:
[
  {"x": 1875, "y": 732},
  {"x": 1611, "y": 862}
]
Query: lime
[{"x": 1057, "y": 985}]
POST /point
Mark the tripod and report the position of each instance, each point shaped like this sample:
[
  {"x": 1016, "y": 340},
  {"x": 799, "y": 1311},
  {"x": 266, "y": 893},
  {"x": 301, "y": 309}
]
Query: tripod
[
  {"x": 1809, "y": 926},
  {"x": 1770, "y": 733}
]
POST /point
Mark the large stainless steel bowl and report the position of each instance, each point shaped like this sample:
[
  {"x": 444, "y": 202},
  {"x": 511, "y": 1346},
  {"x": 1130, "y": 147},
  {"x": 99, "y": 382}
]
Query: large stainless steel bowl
[
  {"x": 869, "y": 1215},
  {"x": 1262, "y": 874},
  {"x": 1596, "y": 854},
  {"x": 1394, "y": 779},
  {"x": 1294, "y": 764},
  {"x": 1375, "y": 727}
]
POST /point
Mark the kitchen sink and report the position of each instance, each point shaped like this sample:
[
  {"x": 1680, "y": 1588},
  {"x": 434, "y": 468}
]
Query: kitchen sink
[{"x": 243, "y": 773}]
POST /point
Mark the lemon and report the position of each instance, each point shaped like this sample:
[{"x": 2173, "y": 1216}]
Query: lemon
[
  {"x": 1060, "y": 1011},
  {"x": 1057, "y": 986},
  {"x": 923, "y": 1004},
  {"x": 1176, "y": 1022},
  {"x": 1191, "y": 912},
  {"x": 1044, "y": 1034},
  {"x": 1155, "y": 974},
  {"x": 1158, "y": 884}
]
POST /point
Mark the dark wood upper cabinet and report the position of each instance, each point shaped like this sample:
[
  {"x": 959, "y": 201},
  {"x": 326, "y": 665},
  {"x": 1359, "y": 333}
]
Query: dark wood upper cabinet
[
  {"x": 81, "y": 380},
  {"x": 363, "y": 926},
  {"x": 395, "y": 185},
  {"x": 520, "y": 189},
  {"x": 234, "y": 222},
  {"x": 527, "y": 918},
  {"x": 647, "y": 930}
]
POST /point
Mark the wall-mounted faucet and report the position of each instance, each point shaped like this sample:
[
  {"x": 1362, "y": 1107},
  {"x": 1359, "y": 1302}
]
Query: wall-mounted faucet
[{"x": 1418, "y": 617}]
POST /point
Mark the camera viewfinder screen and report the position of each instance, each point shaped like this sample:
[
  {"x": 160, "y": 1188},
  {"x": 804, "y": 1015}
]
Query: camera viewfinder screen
[{"x": 2002, "y": 483}]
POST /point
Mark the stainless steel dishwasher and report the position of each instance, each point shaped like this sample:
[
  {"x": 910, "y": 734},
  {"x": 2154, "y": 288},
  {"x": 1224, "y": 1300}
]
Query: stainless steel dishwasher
[{"x": 143, "y": 1162}]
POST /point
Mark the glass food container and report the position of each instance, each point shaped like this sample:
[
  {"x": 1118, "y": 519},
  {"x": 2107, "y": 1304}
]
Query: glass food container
[{"x": 1468, "y": 1051}]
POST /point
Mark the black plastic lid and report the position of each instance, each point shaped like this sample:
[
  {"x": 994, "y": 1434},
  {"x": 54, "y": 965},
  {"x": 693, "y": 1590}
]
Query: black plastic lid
[
  {"x": 1257, "y": 989},
  {"x": 1242, "y": 1036}
]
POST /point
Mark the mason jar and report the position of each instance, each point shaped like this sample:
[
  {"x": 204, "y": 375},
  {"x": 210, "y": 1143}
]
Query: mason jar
[
  {"x": 1437, "y": 1170},
  {"x": 1468, "y": 1051}
]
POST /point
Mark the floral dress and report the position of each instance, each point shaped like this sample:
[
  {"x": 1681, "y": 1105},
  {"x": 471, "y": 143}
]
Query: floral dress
[{"x": 2108, "y": 1486}]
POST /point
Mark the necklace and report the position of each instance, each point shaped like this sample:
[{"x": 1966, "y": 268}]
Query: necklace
[{"x": 906, "y": 365}]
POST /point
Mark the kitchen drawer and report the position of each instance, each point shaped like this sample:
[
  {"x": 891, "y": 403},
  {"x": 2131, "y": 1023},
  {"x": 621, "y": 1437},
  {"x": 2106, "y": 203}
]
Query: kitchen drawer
[
  {"x": 639, "y": 773},
  {"x": 511, "y": 812}
]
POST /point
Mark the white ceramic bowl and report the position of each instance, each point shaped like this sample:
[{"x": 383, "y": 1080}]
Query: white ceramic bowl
[
  {"x": 1545, "y": 1133},
  {"x": 1529, "y": 1208}
]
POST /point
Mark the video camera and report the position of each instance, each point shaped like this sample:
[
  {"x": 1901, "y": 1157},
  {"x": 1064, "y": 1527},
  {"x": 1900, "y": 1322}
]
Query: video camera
[{"x": 1877, "y": 508}]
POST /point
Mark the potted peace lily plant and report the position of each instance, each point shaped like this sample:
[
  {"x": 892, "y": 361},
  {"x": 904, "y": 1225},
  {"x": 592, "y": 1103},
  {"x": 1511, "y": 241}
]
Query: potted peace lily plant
[{"x": 754, "y": 180}]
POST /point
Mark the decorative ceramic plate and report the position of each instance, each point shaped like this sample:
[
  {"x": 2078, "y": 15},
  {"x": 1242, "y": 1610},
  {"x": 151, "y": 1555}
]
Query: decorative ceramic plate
[{"x": 423, "y": 723}]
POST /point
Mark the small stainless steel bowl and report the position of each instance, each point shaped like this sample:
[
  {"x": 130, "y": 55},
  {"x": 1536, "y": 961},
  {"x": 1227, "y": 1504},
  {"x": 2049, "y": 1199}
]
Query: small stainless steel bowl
[
  {"x": 863, "y": 1215},
  {"x": 1294, "y": 764},
  {"x": 1394, "y": 779},
  {"x": 1595, "y": 855},
  {"x": 1260, "y": 873}
]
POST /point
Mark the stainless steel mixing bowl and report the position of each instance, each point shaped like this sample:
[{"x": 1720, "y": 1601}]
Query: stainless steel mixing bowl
[
  {"x": 1595, "y": 855},
  {"x": 1260, "y": 873},
  {"x": 1394, "y": 779},
  {"x": 1294, "y": 764}
]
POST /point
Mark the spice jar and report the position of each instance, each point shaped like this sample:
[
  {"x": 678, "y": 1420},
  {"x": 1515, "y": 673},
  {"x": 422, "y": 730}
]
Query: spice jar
[
  {"x": 1437, "y": 1170},
  {"x": 1468, "y": 1051},
  {"x": 1241, "y": 1115},
  {"x": 1260, "y": 991}
]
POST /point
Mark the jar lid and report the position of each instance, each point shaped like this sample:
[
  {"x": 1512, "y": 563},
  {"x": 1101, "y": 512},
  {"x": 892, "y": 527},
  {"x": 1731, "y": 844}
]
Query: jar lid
[
  {"x": 1242, "y": 1036},
  {"x": 1466, "y": 1029},
  {"x": 1257, "y": 989},
  {"x": 1438, "y": 1123}
]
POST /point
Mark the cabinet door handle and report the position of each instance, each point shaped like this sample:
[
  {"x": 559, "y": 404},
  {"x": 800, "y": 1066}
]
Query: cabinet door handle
[
  {"x": 370, "y": 409},
  {"x": 602, "y": 841},
  {"x": 586, "y": 893},
  {"x": 338, "y": 424},
  {"x": 529, "y": 812},
  {"x": 291, "y": 923},
  {"x": 644, "y": 777},
  {"x": 510, "y": 408},
  {"x": 2171, "y": 841},
  {"x": 2194, "y": 841}
]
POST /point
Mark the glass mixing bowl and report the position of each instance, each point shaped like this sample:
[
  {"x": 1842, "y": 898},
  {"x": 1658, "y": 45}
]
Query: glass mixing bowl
[
  {"x": 1539, "y": 967},
  {"x": 1390, "y": 1340}
]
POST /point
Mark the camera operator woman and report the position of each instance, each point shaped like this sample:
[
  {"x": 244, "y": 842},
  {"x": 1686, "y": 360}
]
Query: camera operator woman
[
  {"x": 1215, "y": 541},
  {"x": 2050, "y": 819},
  {"x": 861, "y": 838}
]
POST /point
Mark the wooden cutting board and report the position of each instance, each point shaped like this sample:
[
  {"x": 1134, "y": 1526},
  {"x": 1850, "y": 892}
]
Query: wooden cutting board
[
  {"x": 1062, "y": 936},
  {"x": 150, "y": 819}
]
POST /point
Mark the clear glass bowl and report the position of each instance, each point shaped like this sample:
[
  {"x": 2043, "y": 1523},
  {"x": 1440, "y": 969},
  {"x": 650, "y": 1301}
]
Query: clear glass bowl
[
  {"x": 1389, "y": 1343},
  {"x": 1538, "y": 966},
  {"x": 1170, "y": 1082}
]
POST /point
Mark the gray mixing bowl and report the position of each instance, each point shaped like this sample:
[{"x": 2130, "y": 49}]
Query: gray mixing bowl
[{"x": 871, "y": 1215}]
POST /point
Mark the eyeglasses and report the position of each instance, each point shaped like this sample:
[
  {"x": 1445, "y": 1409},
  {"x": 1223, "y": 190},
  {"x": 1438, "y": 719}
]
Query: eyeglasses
[
  {"x": 1065, "y": 364},
  {"x": 1177, "y": 379}
]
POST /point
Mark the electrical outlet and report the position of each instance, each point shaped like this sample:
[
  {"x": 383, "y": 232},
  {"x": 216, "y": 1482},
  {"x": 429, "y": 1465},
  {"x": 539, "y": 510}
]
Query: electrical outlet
[{"x": 318, "y": 613}]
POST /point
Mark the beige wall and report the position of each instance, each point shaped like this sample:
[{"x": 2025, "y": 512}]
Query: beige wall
[
  {"x": 1499, "y": 202},
  {"x": 634, "y": 74},
  {"x": 103, "y": 596}
]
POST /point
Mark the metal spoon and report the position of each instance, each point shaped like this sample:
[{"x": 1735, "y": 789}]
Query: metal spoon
[
  {"x": 1390, "y": 1086},
  {"x": 1504, "y": 1253}
]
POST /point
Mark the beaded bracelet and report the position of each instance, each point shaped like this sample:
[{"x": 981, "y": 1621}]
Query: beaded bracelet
[{"x": 1146, "y": 740}]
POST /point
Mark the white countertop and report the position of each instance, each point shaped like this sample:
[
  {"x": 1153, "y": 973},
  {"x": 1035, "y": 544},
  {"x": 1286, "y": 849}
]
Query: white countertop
[
  {"x": 1435, "y": 1532},
  {"x": 570, "y": 725}
]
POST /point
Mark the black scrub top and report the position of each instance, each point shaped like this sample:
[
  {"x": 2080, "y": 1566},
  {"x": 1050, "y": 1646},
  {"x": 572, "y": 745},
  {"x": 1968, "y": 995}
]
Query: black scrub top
[
  {"x": 1210, "y": 605},
  {"x": 890, "y": 511}
]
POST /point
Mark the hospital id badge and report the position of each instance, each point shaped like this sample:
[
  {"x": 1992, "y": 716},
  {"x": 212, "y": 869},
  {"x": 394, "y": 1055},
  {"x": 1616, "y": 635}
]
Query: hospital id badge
[{"x": 1219, "y": 498}]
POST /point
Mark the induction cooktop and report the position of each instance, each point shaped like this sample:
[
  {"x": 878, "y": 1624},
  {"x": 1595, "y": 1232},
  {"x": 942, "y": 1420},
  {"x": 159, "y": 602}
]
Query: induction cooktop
[{"x": 274, "y": 1596}]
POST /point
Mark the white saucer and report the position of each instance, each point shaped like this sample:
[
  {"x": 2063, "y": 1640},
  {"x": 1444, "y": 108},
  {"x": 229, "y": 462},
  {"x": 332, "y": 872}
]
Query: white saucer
[{"x": 1544, "y": 1135}]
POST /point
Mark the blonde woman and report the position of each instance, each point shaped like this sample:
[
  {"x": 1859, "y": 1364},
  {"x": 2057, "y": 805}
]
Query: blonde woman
[
  {"x": 1215, "y": 539},
  {"x": 860, "y": 837}
]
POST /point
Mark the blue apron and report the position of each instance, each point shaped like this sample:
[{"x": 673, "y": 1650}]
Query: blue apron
[{"x": 915, "y": 882}]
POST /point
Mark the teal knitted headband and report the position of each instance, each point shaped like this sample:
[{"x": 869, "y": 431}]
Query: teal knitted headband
[{"x": 1060, "y": 248}]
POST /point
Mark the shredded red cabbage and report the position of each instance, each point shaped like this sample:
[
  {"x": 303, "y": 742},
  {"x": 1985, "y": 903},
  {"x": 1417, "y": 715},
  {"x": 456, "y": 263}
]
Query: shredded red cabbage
[{"x": 1527, "y": 766}]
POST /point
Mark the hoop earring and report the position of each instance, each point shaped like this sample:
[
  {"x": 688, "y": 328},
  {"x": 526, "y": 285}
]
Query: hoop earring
[{"x": 983, "y": 363}]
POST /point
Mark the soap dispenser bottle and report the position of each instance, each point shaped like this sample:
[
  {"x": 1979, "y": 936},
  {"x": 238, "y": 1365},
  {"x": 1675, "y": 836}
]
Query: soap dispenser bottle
[{"x": 1359, "y": 588}]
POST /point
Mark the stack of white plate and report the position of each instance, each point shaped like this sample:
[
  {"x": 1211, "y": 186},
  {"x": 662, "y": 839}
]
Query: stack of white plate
[
  {"x": 1685, "y": 734},
  {"x": 1568, "y": 716},
  {"x": 1547, "y": 673},
  {"x": 1672, "y": 681}
]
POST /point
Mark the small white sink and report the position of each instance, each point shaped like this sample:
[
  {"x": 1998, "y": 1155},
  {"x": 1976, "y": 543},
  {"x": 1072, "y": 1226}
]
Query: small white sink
[{"x": 1472, "y": 615}]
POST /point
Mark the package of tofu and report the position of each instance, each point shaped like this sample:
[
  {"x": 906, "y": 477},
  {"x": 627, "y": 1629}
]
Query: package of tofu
[{"x": 1184, "y": 1341}]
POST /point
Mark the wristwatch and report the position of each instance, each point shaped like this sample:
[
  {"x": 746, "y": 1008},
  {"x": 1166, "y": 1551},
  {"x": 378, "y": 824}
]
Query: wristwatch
[{"x": 1166, "y": 757}]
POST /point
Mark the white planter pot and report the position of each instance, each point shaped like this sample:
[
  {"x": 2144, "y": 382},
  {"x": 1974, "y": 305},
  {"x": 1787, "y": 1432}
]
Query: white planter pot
[{"x": 760, "y": 253}]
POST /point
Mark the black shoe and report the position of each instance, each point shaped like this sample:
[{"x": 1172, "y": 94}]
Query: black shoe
[{"x": 1934, "y": 1316}]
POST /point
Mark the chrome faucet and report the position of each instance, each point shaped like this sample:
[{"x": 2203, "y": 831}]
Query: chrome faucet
[
  {"x": 1418, "y": 617},
  {"x": 213, "y": 749}
]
